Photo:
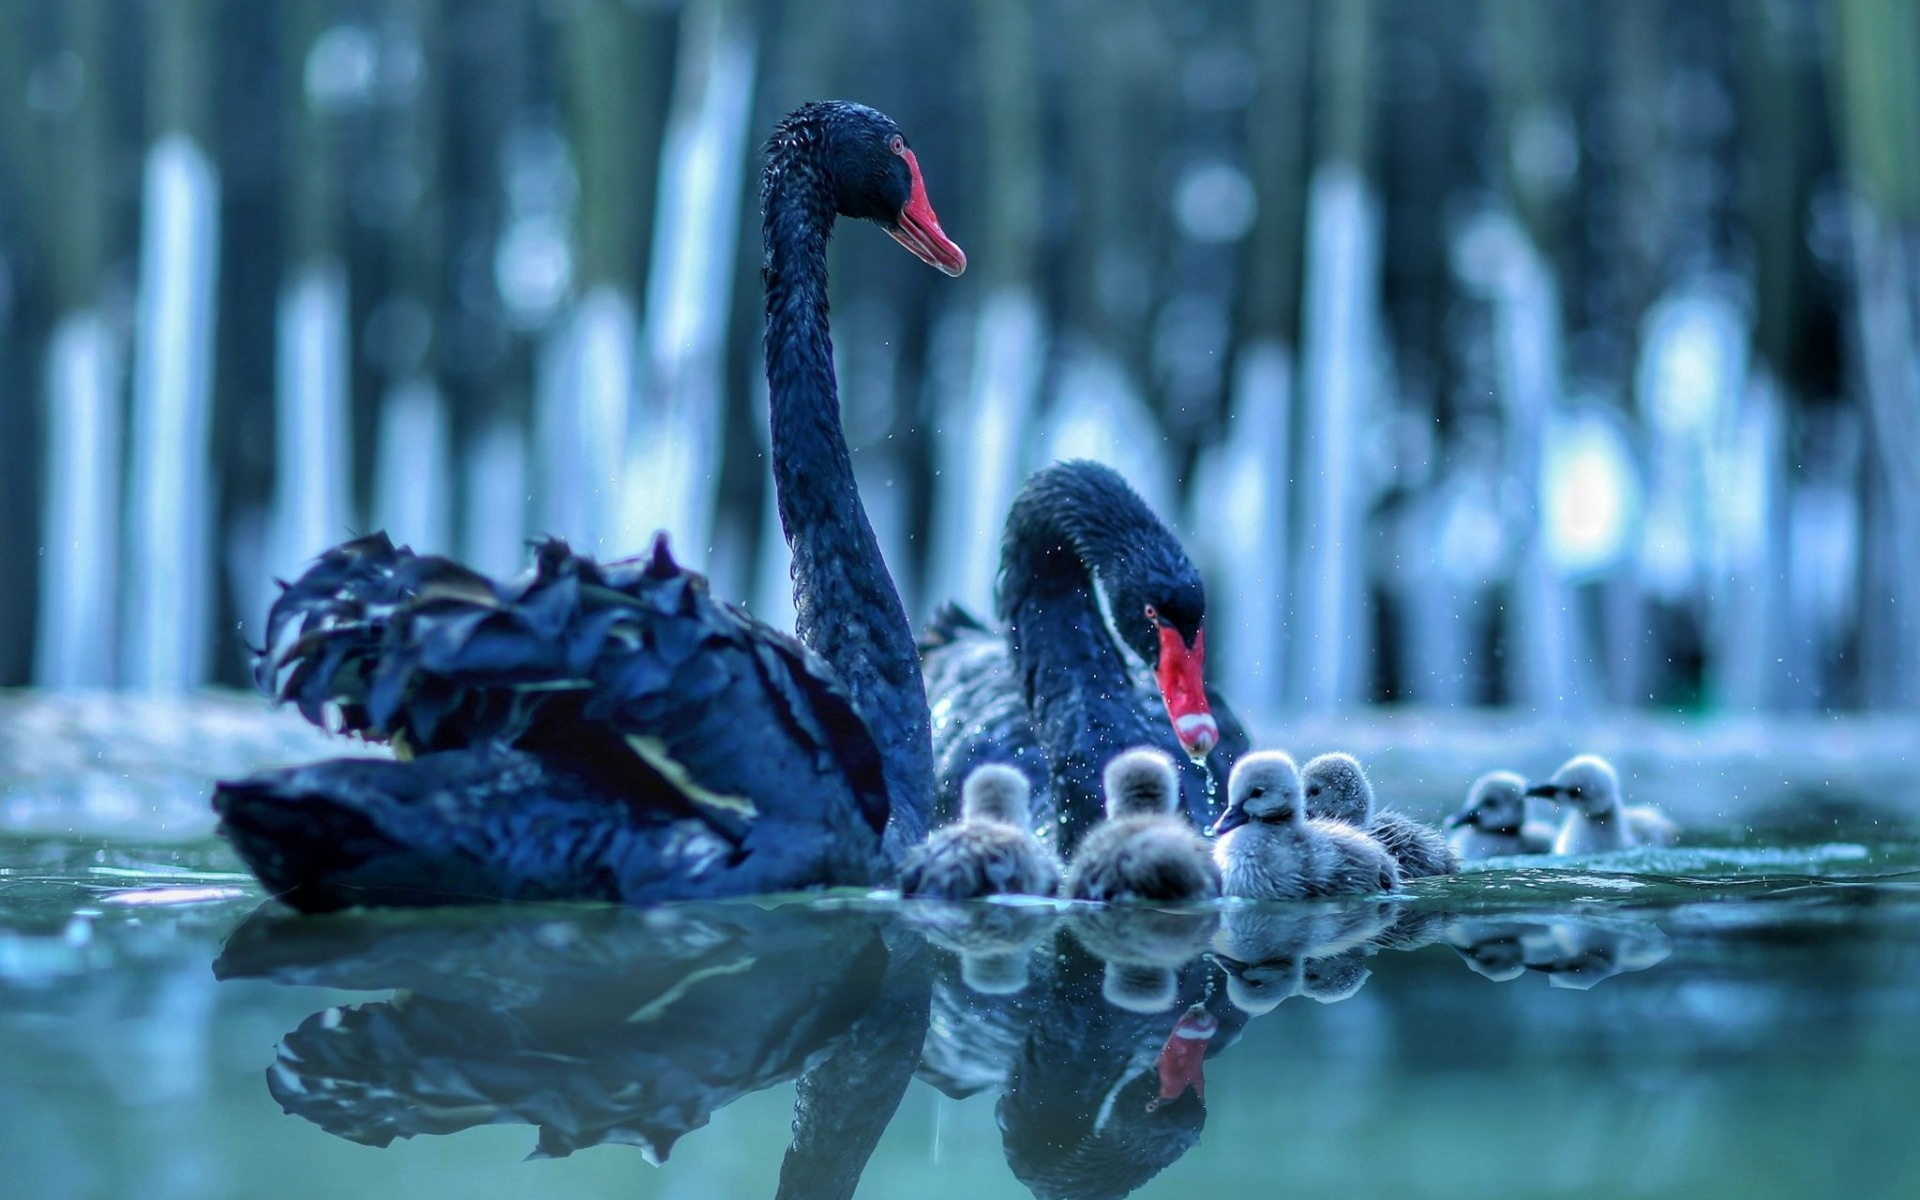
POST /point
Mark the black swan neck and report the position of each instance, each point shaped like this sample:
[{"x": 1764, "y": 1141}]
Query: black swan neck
[
  {"x": 1078, "y": 686},
  {"x": 1076, "y": 531},
  {"x": 846, "y": 606}
]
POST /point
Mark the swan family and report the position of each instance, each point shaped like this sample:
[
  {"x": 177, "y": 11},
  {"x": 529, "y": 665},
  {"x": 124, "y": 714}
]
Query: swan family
[{"x": 613, "y": 731}]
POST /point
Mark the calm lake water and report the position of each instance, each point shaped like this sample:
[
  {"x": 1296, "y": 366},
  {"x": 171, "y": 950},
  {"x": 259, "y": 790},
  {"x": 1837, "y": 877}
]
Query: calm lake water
[{"x": 1737, "y": 1018}]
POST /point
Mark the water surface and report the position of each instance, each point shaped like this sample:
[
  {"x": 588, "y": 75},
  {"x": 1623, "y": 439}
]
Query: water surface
[{"x": 1740, "y": 1017}]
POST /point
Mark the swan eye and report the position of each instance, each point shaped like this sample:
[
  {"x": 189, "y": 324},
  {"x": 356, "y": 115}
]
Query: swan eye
[
  {"x": 1314, "y": 790},
  {"x": 1574, "y": 792},
  {"x": 898, "y": 145},
  {"x": 1256, "y": 793},
  {"x": 1153, "y": 614}
]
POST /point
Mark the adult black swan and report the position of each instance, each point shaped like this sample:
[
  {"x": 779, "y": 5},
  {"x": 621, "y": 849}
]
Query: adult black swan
[
  {"x": 1057, "y": 695},
  {"x": 613, "y": 732}
]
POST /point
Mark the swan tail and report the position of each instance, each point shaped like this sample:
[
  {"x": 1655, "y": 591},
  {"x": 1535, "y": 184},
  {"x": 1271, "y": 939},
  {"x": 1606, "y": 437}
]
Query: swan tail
[{"x": 425, "y": 653}]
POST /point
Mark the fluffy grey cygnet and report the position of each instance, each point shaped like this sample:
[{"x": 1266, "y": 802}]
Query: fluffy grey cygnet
[
  {"x": 1268, "y": 849},
  {"x": 989, "y": 851},
  {"x": 1493, "y": 820},
  {"x": 1337, "y": 789},
  {"x": 1589, "y": 788},
  {"x": 1142, "y": 852}
]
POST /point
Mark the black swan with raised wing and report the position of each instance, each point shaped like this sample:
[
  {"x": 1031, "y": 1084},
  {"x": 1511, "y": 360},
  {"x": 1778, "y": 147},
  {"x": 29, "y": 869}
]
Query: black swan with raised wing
[
  {"x": 1057, "y": 695},
  {"x": 612, "y": 731}
]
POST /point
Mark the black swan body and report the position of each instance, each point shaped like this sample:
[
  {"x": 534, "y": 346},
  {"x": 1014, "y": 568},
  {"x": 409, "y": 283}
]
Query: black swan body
[
  {"x": 613, "y": 732},
  {"x": 1056, "y": 695}
]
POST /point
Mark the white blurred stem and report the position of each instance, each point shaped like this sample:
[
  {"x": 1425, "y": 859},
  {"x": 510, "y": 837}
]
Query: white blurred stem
[
  {"x": 493, "y": 500},
  {"x": 675, "y": 469},
  {"x": 312, "y": 433},
  {"x": 980, "y": 453},
  {"x": 1241, "y": 525},
  {"x": 1343, "y": 239},
  {"x": 169, "y": 592},
  {"x": 74, "y": 646},
  {"x": 412, "y": 485}
]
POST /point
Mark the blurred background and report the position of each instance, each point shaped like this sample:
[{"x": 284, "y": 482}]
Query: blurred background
[{"x": 1561, "y": 355}]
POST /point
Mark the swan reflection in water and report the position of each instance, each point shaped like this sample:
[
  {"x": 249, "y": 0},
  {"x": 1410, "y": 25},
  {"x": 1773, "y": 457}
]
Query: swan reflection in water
[{"x": 1092, "y": 1026}]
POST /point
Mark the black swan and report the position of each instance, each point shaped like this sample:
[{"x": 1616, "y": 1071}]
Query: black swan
[
  {"x": 612, "y": 731},
  {"x": 1056, "y": 695},
  {"x": 990, "y": 850},
  {"x": 1143, "y": 851}
]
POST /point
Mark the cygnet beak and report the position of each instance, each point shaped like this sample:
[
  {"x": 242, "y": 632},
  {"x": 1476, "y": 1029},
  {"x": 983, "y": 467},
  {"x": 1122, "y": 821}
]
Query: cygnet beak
[
  {"x": 1455, "y": 820},
  {"x": 1548, "y": 791},
  {"x": 1229, "y": 821}
]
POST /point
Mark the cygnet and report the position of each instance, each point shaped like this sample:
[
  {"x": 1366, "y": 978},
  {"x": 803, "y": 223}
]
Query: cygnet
[
  {"x": 1493, "y": 821},
  {"x": 1596, "y": 819},
  {"x": 1142, "y": 852},
  {"x": 1268, "y": 849},
  {"x": 1338, "y": 790},
  {"x": 989, "y": 851}
]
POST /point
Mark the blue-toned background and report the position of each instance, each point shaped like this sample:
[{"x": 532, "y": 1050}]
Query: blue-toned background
[{"x": 1558, "y": 355}]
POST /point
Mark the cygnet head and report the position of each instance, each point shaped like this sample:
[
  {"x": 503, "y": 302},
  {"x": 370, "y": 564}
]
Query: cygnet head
[
  {"x": 1141, "y": 783},
  {"x": 1587, "y": 782},
  {"x": 1139, "y": 987},
  {"x": 1336, "y": 787},
  {"x": 1496, "y": 803},
  {"x": 995, "y": 972},
  {"x": 1335, "y": 977},
  {"x": 996, "y": 792},
  {"x": 1259, "y": 990},
  {"x": 1264, "y": 787}
]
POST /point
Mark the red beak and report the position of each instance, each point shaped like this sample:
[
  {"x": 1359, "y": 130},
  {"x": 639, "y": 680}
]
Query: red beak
[
  {"x": 919, "y": 230},
  {"x": 1183, "y": 685}
]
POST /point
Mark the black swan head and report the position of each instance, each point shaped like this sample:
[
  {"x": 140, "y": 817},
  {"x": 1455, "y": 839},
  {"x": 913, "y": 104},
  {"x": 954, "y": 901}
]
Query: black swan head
[
  {"x": 1155, "y": 600},
  {"x": 872, "y": 174}
]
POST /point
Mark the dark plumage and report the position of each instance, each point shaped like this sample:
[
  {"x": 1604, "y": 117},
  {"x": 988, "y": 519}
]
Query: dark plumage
[
  {"x": 719, "y": 755},
  {"x": 1142, "y": 852},
  {"x": 622, "y": 689},
  {"x": 598, "y": 1025},
  {"x": 990, "y": 851},
  {"x": 1056, "y": 695},
  {"x": 823, "y": 159}
]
